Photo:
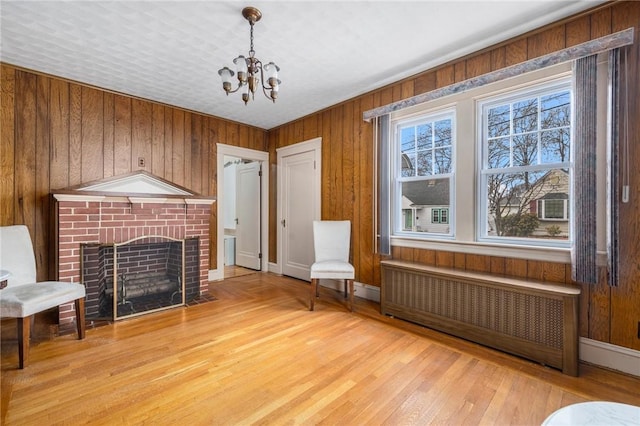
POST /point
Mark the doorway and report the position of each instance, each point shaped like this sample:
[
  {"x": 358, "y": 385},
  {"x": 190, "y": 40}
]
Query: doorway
[{"x": 242, "y": 211}]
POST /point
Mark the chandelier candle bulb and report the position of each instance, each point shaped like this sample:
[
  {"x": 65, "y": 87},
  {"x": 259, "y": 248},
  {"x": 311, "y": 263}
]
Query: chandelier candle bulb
[{"x": 251, "y": 72}]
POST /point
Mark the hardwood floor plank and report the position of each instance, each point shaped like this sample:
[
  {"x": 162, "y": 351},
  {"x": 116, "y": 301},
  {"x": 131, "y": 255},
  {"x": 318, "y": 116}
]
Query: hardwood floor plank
[{"x": 257, "y": 355}]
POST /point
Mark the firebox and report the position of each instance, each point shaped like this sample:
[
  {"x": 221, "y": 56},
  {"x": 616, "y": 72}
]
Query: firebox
[{"x": 142, "y": 275}]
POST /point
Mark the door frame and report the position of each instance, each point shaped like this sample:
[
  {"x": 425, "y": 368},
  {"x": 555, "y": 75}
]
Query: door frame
[
  {"x": 298, "y": 148},
  {"x": 249, "y": 154}
]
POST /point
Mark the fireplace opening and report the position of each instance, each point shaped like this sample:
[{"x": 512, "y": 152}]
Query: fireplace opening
[{"x": 139, "y": 276}]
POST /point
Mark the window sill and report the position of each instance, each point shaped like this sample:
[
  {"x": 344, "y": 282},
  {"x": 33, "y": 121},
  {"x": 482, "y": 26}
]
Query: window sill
[{"x": 547, "y": 254}]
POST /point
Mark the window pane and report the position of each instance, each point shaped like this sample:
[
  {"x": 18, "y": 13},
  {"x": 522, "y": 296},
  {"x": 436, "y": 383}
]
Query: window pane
[
  {"x": 554, "y": 209},
  {"x": 499, "y": 153},
  {"x": 408, "y": 165},
  {"x": 442, "y": 161},
  {"x": 513, "y": 203},
  {"x": 525, "y": 149},
  {"x": 499, "y": 121},
  {"x": 426, "y": 197},
  {"x": 555, "y": 110},
  {"x": 407, "y": 139},
  {"x": 442, "y": 133},
  {"x": 424, "y": 163},
  {"x": 444, "y": 216},
  {"x": 555, "y": 146},
  {"x": 525, "y": 116},
  {"x": 424, "y": 136}
]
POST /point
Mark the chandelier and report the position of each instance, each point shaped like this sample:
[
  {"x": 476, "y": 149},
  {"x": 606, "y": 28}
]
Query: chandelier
[{"x": 247, "y": 69}]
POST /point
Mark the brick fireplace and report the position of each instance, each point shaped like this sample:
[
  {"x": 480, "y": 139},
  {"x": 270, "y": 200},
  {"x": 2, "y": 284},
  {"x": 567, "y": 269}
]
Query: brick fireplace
[{"x": 135, "y": 207}]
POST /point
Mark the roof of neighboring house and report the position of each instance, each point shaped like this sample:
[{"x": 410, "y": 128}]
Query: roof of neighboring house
[
  {"x": 427, "y": 193},
  {"x": 555, "y": 196}
]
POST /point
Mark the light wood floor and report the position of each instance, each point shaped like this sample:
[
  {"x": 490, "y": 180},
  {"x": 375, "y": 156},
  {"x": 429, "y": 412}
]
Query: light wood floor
[{"x": 257, "y": 355}]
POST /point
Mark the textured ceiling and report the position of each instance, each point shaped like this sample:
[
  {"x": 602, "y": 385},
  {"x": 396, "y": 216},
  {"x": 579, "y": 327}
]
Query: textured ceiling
[{"x": 328, "y": 51}]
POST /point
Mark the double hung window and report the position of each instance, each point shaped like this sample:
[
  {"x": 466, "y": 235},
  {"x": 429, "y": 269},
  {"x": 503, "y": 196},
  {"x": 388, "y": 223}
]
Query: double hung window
[
  {"x": 525, "y": 170},
  {"x": 423, "y": 173}
]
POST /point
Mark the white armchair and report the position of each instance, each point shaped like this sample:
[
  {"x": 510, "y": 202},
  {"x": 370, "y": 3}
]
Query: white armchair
[
  {"x": 23, "y": 296},
  {"x": 331, "y": 240}
]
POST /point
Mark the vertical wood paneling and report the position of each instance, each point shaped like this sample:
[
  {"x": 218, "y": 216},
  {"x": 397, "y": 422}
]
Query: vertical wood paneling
[
  {"x": 460, "y": 71},
  {"x": 141, "y": 128},
  {"x": 157, "y": 140},
  {"x": 60, "y": 119},
  {"x": 546, "y": 42},
  {"x": 75, "y": 134},
  {"x": 478, "y": 65},
  {"x": 177, "y": 154},
  {"x": 92, "y": 132},
  {"x": 187, "y": 149},
  {"x": 168, "y": 143},
  {"x": 516, "y": 52},
  {"x": 445, "y": 76},
  {"x": 122, "y": 142},
  {"x": 326, "y": 166},
  {"x": 601, "y": 23},
  {"x": 578, "y": 31},
  {"x": 196, "y": 153},
  {"x": 425, "y": 82},
  {"x": 498, "y": 58},
  {"x": 7, "y": 145},
  {"x": 41, "y": 234},
  {"x": 25, "y": 150},
  {"x": 109, "y": 134},
  {"x": 337, "y": 175}
]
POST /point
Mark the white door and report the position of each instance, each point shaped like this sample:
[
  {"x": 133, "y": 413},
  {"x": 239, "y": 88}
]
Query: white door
[
  {"x": 299, "y": 209},
  {"x": 248, "y": 204}
]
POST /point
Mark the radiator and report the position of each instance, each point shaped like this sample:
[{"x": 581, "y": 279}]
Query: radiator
[{"x": 531, "y": 319}]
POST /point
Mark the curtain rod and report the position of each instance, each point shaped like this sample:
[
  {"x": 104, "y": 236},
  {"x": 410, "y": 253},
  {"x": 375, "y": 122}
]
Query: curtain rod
[{"x": 602, "y": 44}]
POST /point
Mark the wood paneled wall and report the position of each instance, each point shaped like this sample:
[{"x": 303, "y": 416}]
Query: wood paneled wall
[
  {"x": 56, "y": 134},
  {"x": 608, "y": 314}
]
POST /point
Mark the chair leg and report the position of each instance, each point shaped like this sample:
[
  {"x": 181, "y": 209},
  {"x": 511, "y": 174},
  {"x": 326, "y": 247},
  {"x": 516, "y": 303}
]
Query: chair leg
[
  {"x": 24, "y": 332},
  {"x": 345, "y": 289},
  {"x": 314, "y": 293},
  {"x": 80, "y": 322},
  {"x": 350, "y": 294}
]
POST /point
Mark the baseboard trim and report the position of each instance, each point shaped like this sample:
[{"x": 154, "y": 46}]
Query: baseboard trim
[
  {"x": 216, "y": 274},
  {"x": 275, "y": 268},
  {"x": 610, "y": 356},
  {"x": 364, "y": 291}
]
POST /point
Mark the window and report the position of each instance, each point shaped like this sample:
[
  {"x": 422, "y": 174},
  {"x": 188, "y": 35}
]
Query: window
[
  {"x": 440, "y": 216},
  {"x": 525, "y": 168},
  {"x": 423, "y": 174}
]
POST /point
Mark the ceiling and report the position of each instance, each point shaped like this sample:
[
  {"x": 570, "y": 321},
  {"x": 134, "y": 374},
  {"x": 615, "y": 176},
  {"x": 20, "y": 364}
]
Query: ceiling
[{"x": 328, "y": 51}]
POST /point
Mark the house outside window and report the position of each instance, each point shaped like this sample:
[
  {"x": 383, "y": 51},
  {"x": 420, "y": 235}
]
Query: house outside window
[
  {"x": 423, "y": 174},
  {"x": 525, "y": 166}
]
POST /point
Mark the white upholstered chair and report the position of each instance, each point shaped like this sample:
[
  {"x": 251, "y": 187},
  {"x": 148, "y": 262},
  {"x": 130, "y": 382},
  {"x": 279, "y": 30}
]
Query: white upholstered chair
[
  {"x": 23, "y": 296},
  {"x": 331, "y": 241}
]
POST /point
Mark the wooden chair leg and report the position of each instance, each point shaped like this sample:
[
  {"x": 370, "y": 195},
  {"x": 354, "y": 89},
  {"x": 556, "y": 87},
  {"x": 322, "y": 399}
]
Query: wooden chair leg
[
  {"x": 351, "y": 294},
  {"x": 80, "y": 321},
  {"x": 24, "y": 332},
  {"x": 345, "y": 288},
  {"x": 314, "y": 293}
]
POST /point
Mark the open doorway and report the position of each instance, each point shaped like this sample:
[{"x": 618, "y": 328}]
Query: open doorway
[
  {"x": 242, "y": 211},
  {"x": 241, "y": 216}
]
